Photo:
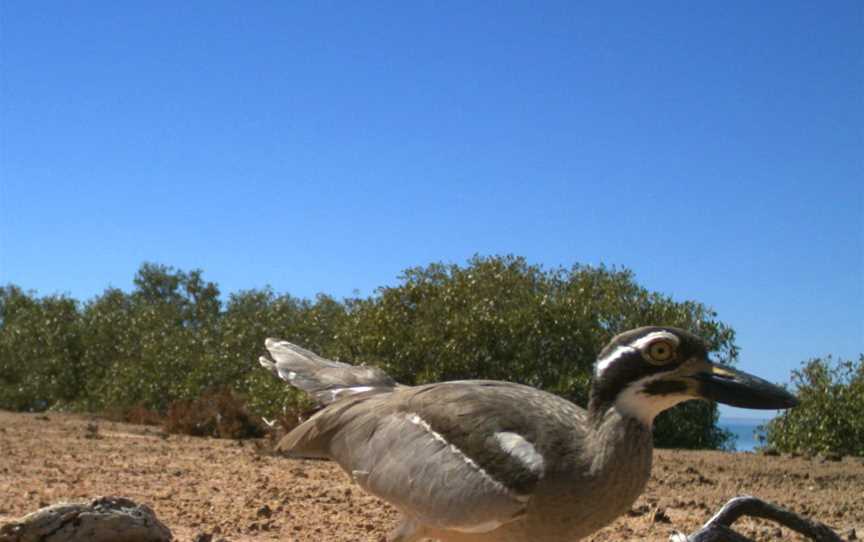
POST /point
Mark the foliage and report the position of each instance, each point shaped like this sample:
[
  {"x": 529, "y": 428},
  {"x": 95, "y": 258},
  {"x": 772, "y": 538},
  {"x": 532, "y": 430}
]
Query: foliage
[
  {"x": 173, "y": 337},
  {"x": 153, "y": 346},
  {"x": 830, "y": 417},
  {"x": 40, "y": 350}
]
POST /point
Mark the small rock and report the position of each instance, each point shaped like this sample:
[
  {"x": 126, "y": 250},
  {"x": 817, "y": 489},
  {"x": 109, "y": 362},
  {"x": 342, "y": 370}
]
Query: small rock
[
  {"x": 637, "y": 511},
  {"x": 706, "y": 481},
  {"x": 660, "y": 516}
]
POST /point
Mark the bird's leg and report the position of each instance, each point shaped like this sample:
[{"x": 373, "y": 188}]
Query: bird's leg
[{"x": 718, "y": 528}]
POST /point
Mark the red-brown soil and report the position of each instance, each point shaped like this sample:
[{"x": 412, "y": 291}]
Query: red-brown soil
[{"x": 231, "y": 488}]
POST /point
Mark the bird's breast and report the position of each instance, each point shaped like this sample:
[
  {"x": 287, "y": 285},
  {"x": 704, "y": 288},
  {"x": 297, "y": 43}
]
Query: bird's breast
[{"x": 600, "y": 484}]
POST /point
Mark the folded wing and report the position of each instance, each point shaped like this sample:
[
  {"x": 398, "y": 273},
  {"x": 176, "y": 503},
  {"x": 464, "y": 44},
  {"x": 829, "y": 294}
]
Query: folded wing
[{"x": 433, "y": 451}]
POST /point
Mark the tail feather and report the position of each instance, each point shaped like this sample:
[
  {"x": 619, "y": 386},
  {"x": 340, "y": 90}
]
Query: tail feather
[{"x": 323, "y": 379}]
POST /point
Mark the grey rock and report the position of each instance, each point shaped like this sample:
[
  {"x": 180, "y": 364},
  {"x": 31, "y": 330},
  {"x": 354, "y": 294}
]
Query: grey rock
[{"x": 105, "y": 519}]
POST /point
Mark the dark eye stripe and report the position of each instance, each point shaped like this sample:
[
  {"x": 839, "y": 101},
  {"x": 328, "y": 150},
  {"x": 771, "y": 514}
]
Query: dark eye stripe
[{"x": 665, "y": 387}]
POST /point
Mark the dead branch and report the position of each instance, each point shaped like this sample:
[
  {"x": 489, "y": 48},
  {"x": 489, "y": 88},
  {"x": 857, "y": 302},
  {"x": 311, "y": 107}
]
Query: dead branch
[{"x": 718, "y": 528}]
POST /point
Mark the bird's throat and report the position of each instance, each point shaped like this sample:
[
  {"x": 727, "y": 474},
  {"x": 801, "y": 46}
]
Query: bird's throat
[{"x": 621, "y": 446}]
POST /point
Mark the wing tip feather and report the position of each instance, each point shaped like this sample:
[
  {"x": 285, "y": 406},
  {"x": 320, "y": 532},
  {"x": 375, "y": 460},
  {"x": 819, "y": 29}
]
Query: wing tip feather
[{"x": 267, "y": 364}]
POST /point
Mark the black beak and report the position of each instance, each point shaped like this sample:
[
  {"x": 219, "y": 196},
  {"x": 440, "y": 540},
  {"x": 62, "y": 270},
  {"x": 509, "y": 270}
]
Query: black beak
[{"x": 737, "y": 388}]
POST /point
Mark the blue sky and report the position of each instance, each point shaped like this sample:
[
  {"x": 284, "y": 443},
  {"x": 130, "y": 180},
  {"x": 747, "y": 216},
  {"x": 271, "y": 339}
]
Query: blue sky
[{"x": 714, "y": 148}]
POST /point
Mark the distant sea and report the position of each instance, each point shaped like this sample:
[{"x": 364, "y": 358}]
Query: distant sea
[{"x": 744, "y": 429}]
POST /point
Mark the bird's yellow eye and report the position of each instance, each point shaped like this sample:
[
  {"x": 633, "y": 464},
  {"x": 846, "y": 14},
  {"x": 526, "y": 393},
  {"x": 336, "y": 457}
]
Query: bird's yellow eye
[{"x": 660, "y": 351}]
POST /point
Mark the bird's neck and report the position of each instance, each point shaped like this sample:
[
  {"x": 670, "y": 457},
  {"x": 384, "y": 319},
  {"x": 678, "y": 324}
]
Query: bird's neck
[
  {"x": 619, "y": 439},
  {"x": 615, "y": 465}
]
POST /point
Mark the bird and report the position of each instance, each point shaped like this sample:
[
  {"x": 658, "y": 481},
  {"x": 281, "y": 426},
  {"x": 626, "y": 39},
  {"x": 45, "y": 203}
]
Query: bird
[{"x": 496, "y": 461}]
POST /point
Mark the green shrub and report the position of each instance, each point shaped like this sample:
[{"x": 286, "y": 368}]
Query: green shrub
[
  {"x": 173, "y": 337},
  {"x": 40, "y": 351},
  {"x": 830, "y": 417}
]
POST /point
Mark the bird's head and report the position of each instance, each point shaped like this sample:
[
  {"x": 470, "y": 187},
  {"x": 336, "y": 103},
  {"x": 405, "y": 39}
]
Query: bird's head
[{"x": 645, "y": 371}]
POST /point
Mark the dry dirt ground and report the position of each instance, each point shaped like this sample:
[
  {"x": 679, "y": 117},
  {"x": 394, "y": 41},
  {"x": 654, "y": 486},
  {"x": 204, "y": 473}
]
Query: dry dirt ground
[{"x": 230, "y": 488}]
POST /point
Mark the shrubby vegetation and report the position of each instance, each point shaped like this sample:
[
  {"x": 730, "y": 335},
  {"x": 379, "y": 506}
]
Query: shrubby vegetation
[
  {"x": 175, "y": 339},
  {"x": 830, "y": 417}
]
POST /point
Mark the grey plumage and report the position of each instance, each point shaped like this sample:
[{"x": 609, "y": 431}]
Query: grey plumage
[{"x": 483, "y": 461}]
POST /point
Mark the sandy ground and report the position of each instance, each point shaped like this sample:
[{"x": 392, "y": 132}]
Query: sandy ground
[{"x": 234, "y": 490}]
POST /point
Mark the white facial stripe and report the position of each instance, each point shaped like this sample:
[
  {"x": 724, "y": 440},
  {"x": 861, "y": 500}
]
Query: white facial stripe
[
  {"x": 637, "y": 345},
  {"x": 516, "y": 445},
  {"x": 642, "y": 342},
  {"x": 604, "y": 362},
  {"x": 634, "y": 402}
]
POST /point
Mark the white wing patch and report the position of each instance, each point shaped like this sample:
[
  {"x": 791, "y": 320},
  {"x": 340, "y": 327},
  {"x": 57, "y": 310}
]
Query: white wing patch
[
  {"x": 344, "y": 392},
  {"x": 516, "y": 445}
]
